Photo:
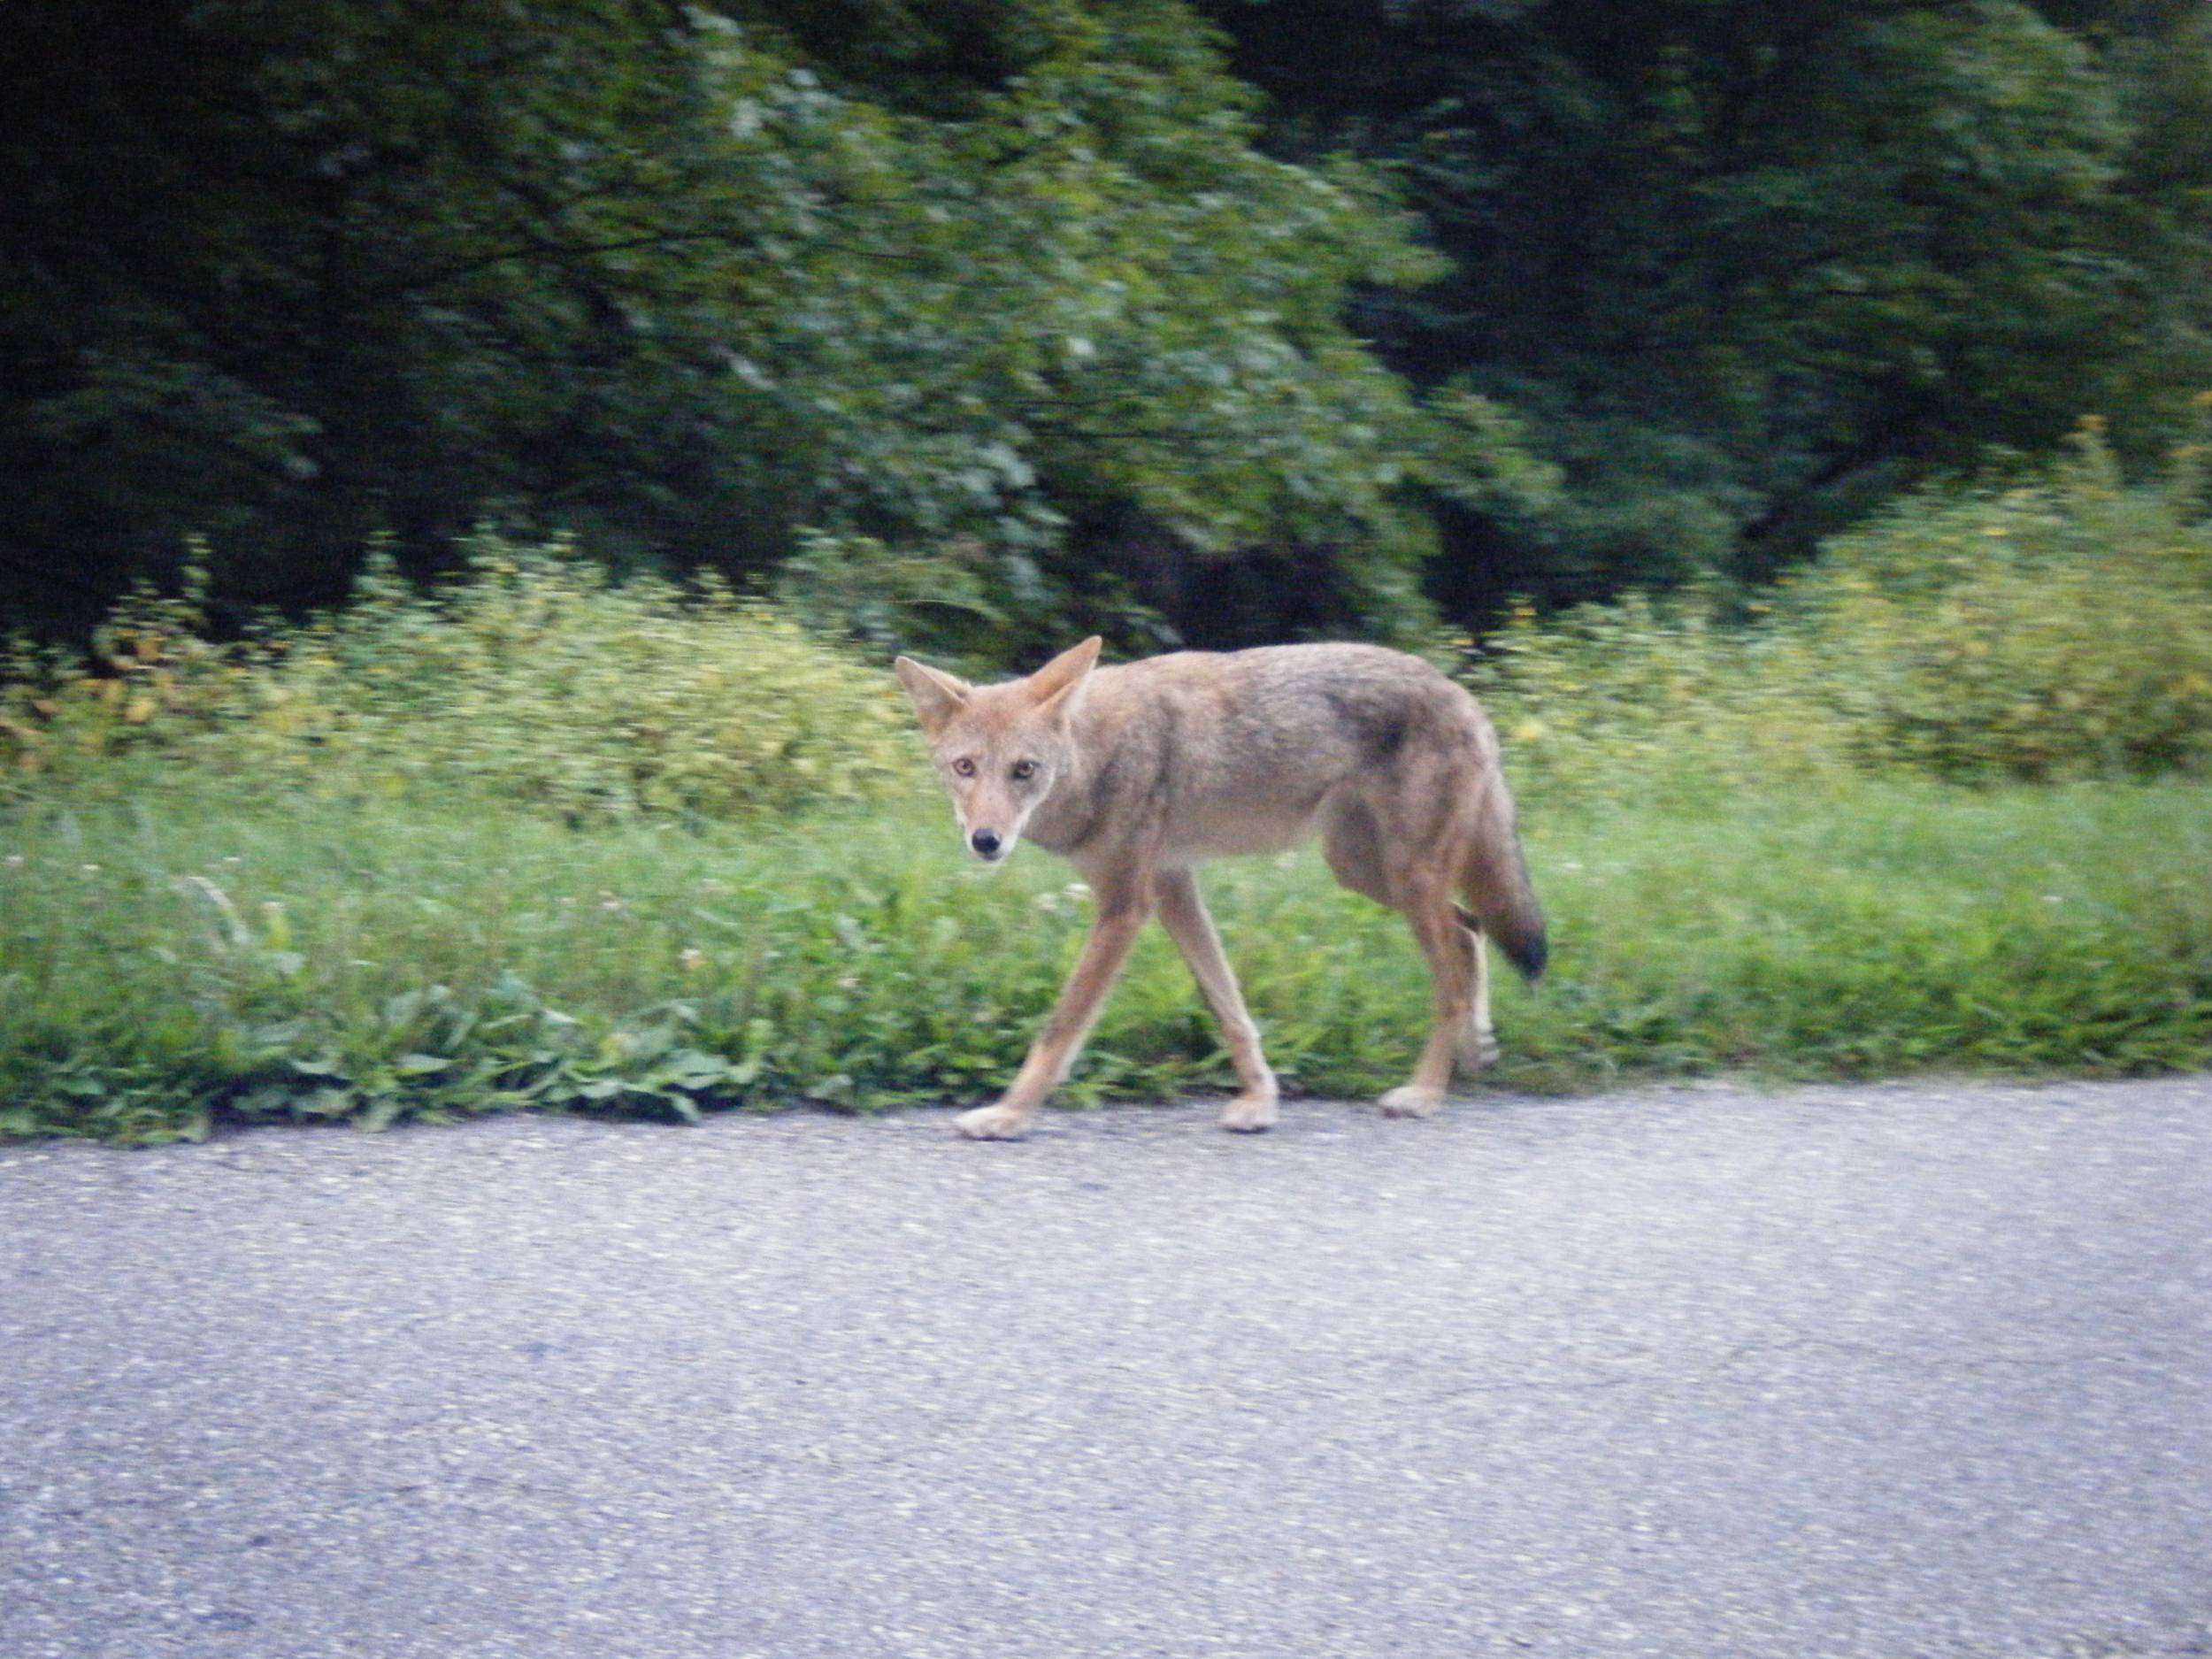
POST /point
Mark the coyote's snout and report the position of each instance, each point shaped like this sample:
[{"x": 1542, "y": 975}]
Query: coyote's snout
[{"x": 1137, "y": 773}]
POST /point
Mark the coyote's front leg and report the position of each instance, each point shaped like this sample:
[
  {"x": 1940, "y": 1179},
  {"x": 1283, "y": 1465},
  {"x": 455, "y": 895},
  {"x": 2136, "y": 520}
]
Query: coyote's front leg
[
  {"x": 1183, "y": 913},
  {"x": 1053, "y": 1052}
]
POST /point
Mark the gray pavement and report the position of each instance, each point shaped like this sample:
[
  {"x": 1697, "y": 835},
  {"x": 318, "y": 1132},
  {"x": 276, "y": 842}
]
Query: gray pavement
[{"x": 1891, "y": 1372}]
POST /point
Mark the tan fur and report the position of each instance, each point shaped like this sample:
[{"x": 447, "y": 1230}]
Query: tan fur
[{"x": 1136, "y": 773}]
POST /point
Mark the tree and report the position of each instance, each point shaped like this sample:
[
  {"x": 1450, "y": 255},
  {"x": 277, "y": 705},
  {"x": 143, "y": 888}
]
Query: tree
[
  {"x": 1747, "y": 266},
  {"x": 1009, "y": 276}
]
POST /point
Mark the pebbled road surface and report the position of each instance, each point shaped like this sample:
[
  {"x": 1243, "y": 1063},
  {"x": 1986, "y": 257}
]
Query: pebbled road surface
[{"x": 1695, "y": 1373}]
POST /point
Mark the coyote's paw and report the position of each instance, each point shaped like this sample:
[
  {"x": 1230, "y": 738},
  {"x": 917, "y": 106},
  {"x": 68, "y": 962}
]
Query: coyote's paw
[
  {"x": 1248, "y": 1114},
  {"x": 992, "y": 1123},
  {"x": 1407, "y": 1101},
  {"x": 1476, "y": 1049}
]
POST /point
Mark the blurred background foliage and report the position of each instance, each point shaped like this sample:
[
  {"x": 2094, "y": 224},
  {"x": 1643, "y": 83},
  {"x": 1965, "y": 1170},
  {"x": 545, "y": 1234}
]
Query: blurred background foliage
[
  {"x": 529, "y": 679},
  {"x": 970, "y": 325},
  {"x": 691, "y": 284},
  {"x": 2054, "y": 628}
]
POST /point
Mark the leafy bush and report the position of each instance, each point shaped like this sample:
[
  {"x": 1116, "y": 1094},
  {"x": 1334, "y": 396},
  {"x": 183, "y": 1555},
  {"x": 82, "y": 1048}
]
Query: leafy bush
[
  {"x": 535, "y": 679},
  {"x": 2060, "y": 629},
  {"x": 1649, "y": 699}
]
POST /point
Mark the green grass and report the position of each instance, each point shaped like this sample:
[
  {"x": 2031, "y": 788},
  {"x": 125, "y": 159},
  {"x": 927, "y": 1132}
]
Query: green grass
[{"x": 168, "y": 958}]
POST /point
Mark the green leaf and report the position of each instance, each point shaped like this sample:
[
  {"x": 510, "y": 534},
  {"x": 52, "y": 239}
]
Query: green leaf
[{"x": 381, "y": 1113}]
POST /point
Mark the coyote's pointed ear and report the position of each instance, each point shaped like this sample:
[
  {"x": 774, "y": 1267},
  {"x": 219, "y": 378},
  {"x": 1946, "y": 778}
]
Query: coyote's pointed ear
[
  {"x": 1055, "y": 687},
  {"x": 937, "y": 695}
]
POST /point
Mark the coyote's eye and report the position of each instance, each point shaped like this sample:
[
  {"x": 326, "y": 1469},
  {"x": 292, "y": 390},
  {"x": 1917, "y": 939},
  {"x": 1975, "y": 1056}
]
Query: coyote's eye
[
  {"x": 1025, "y": 769},
  {"x": 964, "y": 767}
]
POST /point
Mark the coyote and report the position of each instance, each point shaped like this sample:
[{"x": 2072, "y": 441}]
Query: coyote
[{"x": 1135, "y": 774}]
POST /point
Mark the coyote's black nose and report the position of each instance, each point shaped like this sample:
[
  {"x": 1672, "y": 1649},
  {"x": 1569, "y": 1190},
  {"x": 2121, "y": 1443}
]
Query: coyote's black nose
[{"x": 986, "y": 841}]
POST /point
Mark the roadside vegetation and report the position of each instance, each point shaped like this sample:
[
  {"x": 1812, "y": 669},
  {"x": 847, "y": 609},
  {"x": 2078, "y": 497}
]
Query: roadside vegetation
[
  {"x": 468, "y": 466},
  {"x": 537, "y": 839},
  {"x": 2055, "y": 627}
]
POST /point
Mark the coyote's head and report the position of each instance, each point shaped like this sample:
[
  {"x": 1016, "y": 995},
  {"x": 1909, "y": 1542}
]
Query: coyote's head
[{"x": 999, "y": 749}]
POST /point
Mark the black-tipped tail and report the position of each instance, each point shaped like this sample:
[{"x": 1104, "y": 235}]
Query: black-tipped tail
[
  {"x": 1529, "y": 949},
  {"x": 1496, "y": 887},
  {"x": 1518, "y": 928}
]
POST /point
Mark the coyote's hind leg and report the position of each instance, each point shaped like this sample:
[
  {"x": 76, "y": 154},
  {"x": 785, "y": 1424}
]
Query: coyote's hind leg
[
  {"x": 1444, "y": 943},
  {"x": 1478, "y": 1038},
  {"x": 1356, "y": 851}
]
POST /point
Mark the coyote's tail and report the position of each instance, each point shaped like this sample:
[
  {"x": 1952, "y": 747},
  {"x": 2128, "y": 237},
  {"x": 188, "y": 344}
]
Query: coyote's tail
[{"x": 1497, "y": 890}]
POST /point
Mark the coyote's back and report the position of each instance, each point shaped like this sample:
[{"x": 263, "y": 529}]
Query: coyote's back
[
  {"x": 1136, "y": 773},
  {"x": 1254, "y": 752}
]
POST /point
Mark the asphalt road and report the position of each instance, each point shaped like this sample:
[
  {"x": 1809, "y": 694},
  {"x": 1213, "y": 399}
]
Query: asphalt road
[{"x": 1885, "y": 1372}]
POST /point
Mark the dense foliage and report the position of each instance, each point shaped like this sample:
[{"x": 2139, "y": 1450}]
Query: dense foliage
[
  {"x": 2056, "y": 628},
  {"x": 691, "y": 283},
  {"x": 1043, "y": 296},
  {"x": 531, "y": 680},
  {"x": 1747, "y": 268}
]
